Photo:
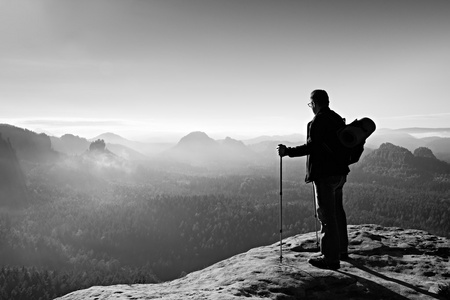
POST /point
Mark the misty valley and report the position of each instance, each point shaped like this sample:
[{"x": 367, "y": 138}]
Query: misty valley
[{"x": 77, "y": 213}]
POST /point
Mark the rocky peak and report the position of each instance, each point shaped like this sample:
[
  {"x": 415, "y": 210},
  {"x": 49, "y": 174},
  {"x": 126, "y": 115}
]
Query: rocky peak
[
  {"x": 385, "y": 263},
  {"x": 424, "y": 152},
  {"x": 397, "y": 162},
  {"x": 196, "y": 138},
  {"x": 392, "y": 153},
  {"x": 98, "y": 145}
]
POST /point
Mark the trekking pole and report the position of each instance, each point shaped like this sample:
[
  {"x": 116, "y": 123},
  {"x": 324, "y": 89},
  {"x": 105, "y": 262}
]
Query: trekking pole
[
  {"x": 315, "y": 215},
  {"x": 281, "y": 208}
]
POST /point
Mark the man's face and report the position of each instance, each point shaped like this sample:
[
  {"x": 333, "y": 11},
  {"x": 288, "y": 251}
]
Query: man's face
[{"x": 314, "y": 106}]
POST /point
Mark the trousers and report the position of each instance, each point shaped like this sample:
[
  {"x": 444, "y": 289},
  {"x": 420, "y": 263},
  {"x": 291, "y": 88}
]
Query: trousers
[{"x": 331, "y": 214}]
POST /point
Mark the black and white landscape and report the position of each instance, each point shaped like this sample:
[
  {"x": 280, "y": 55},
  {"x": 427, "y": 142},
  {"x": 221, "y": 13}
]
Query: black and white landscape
[{"x": 138, "y": 145}]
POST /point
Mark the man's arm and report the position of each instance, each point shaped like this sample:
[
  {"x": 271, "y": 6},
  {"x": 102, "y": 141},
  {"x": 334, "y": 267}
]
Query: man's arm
[
  {"x": 316, "y": 132},
  {"x": 301, "y": 150},
  {"x": 293, "y": 151}
]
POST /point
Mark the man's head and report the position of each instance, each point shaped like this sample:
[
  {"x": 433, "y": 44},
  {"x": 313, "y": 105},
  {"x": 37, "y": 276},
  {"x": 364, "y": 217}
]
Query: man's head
[{"x": 319, "y": 99}]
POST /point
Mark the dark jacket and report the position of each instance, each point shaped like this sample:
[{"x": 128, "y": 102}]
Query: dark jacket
[{"x": 320, "y": 162}]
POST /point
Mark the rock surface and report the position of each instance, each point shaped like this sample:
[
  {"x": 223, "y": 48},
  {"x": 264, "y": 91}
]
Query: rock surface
[{"x": 385, "y": 263}]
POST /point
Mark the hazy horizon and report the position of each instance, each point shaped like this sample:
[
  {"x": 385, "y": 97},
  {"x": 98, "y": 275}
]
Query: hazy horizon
[
  {"x": 174, "y": 137},
  {"x": 228, "y": 68}
]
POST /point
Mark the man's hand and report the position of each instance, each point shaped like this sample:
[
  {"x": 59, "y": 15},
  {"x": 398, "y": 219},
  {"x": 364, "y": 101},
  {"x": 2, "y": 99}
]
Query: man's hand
[{"x": 282, "y": 150}]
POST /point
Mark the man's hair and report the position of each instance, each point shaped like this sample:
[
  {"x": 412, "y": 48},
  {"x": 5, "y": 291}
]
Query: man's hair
[{"x": 320, "y": 97}]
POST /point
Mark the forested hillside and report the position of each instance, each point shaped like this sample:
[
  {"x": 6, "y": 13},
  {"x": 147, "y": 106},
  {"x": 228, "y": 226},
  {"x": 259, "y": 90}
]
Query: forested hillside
[
  {"x": 97, "y": 219},
  {"x": 29, "y": 146}
]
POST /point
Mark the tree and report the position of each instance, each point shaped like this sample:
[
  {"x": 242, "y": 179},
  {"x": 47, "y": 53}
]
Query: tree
[{"x": 98, "y": 145}]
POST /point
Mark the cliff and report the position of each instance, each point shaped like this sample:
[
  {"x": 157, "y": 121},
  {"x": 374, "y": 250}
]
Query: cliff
[
  {"x": 385, "y": 263},
  {"x": 13, "y": 190}
]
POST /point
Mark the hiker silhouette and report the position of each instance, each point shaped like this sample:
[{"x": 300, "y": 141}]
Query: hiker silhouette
[{"x": 328, "y": 177}]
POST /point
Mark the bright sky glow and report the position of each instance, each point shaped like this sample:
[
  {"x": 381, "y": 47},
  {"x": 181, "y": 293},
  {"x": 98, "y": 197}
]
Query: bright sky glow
[{"x": 231, "y": 67}]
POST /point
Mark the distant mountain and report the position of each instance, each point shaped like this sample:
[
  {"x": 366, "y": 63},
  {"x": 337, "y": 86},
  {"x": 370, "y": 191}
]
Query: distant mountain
[
  {"x": 424, "y": 152},
  {"x": 13, "y": 190},
  {"x": 406, "y": 138},
  {"x": 29, "y": 146},
  {"x": 197, "y": 141},
  {"x": 88, "y": 172},
  {"x": 394, "y": 162},
  {"x": 75, "y": 145},
  {"x": 110, "y": 137},
  {"x": 198, "y": 149},
  {"x": 70, "y": 144}
]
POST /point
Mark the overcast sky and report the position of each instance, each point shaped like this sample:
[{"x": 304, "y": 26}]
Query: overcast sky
[{"x": 228, "y": 68}]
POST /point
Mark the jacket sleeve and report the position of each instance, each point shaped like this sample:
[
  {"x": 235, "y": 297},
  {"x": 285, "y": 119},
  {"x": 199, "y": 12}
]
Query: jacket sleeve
[
  {"x": 299, "y": 150},
  {"x": 316, "y": 132}
]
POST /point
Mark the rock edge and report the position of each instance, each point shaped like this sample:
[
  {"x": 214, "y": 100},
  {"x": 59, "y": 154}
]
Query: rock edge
[{"x": 385, "y": 263}]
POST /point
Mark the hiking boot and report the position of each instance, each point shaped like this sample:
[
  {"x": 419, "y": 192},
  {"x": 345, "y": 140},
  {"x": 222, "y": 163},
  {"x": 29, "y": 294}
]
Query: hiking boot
[{"x": 323, "y": 263}]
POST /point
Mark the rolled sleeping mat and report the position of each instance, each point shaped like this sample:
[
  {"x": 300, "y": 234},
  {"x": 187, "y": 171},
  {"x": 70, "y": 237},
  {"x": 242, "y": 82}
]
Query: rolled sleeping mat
[
  {"x": 351, "y": 136},
  {"x": 356, "y": 132},
  {"x": 368, "y": 126}
]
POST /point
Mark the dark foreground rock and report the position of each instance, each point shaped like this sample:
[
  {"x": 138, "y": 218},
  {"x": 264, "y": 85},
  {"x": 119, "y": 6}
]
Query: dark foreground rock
[{"x": 385, "y": 263}]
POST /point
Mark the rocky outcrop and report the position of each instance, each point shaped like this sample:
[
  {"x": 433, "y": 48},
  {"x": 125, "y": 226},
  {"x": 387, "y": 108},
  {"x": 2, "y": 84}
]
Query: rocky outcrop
[
  {"x": 424, "y": 152},
  {"x": 385, "y": 263}
]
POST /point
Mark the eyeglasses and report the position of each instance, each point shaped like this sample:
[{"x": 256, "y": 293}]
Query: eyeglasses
[{"x": 310, "y": 104}]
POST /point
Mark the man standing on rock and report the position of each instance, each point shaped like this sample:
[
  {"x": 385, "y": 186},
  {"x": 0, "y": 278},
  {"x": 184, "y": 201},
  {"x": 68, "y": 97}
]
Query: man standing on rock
[{"x": 328, "y": 177}]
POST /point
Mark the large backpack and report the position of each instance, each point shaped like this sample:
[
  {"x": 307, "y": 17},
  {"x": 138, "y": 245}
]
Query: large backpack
[{"x": 352, "y": 138}]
